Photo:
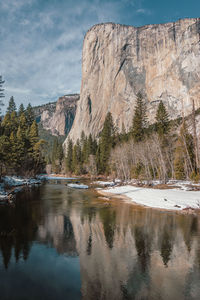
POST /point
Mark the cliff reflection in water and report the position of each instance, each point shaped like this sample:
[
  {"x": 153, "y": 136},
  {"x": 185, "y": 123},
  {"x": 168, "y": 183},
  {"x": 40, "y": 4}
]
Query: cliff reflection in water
[{"x": 125, "y": 252}]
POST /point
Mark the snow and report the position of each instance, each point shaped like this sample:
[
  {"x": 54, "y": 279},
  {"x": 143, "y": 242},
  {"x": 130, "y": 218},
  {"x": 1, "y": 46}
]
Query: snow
[
  {"x": 14, "y": 181},
  {"x": 107, "y": 183},
  {"x": 78, "y": 186},
  {"x": 170, "y": 199},
  {"x": 17, "y": 181}
]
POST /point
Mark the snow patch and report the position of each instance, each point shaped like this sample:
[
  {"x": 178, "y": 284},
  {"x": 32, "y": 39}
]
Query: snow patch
[
  {"x": 78, "y": 186},
  {"x": 170, "y": 199}
]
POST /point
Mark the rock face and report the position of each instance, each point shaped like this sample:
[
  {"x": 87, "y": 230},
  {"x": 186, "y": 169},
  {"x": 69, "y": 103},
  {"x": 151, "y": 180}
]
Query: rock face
[
  {"x": 162, "y": 61},
  {"x": 58, "y": 117}
]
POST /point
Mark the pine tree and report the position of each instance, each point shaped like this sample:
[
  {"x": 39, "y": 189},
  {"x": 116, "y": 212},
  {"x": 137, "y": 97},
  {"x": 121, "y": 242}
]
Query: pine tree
[
  {"x": 60, "y": 154},
  {"x": 21, "y": 110},
  {"x": 162, "y": 120},
  {"x": 13, "y": 121},
  {"x": 57, "y": 156},
  {"x": 33, "y": 135},
  {"x": 69, "y": 156},
  {"x": 29, "y": 115},
  {"x": 123, "y": 135},
  {"x": 90, "y": 144},
  {"x": 13, "y": 156},
  {"x": 38, "y": 150},
  {"x": 11, "y": 105},
  {"x": 106, "y": 142},
  {"x": 1, "y": 92},
  {"x": 139, "y": 120},
  {"x": 20, "y": 147},
  {"x": 23, "y": 124},
  {"x": 4, "y": 152},
  {"x": 78, "y": 168},
  {"x": 82, "y": 139},
  {"x": 54, "y": 152},
  {"x": 85, "y": 150},
  {"x": 6, "y": 125},
  {"x": 75, "y": 163},
  {"x": 179, "y": 162}
]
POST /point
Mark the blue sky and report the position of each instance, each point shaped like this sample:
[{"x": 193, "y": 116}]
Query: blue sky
[{"x": 41, "y": 40}]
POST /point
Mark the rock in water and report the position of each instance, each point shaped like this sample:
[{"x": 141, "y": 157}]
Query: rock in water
[{"x": 162, "y": 61}]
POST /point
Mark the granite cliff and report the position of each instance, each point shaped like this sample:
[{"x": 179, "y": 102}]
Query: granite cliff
[
  {"x": 162, "y": 61},
  {"x": 58, "y": 117}
]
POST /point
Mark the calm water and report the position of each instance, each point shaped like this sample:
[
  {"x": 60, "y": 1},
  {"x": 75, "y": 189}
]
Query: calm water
[{"x": 59, "y": 243}]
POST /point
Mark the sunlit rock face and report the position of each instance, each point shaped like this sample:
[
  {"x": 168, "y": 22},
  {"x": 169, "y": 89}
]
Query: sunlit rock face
[
  {"x": 58, "y": 117},
  {"x": 162, "y": 61}
]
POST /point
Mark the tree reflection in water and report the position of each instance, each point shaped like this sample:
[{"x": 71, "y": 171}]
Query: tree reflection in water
[{"x": 124, "y": 252}]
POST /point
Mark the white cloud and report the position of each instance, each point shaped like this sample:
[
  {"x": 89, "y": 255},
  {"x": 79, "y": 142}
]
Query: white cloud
[{"x": 41, "y": 45}]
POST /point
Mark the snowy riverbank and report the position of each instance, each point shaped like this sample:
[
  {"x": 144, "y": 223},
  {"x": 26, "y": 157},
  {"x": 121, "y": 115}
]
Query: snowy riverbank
[
  {"x": 11, "y": 185},
  {"x": 169, "y": 199}
]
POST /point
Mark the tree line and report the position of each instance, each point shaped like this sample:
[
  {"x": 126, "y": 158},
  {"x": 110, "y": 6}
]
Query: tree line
[
  {"x": 145, "y": 152},
  {"x": 21, "y": 150}
]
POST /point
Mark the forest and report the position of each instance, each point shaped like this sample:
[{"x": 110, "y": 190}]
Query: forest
[
  {"x": 160, "y": 151},
  {"x": 163, "y": 150},
  {"x": 22, "y": 152}
]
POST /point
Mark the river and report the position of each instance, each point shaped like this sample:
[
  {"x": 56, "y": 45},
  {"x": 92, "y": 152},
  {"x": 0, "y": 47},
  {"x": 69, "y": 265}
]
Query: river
[{"x": 62, "y": 243}]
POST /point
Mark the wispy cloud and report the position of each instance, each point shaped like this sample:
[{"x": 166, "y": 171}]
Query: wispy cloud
[{"x": 144, "y": 11}]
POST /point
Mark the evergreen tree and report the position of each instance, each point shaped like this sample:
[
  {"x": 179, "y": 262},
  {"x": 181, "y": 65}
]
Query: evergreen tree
[
  {"x": 179, "y": 162},
  {"x": 75, "y": 162},
  {"x": 33, "y": 134},
  {"x": 139, "y": 119},
  {"x": 54, "y": 152},
  {"x": 123, "y": 135},
  {"x": 13, "y": 155},
  {"x": 13, "y": 122},
  {"x": 106, "y": 142},
  {"x": 4, "y": 152},
  {"x": 90, "y": 144},
  {"x": 11, "y": 105},
  {"x": 1, "y": 92},
  {"x": 20, "y": 146},
  {"x": 162, "y": 120},
  {"x": 29, "y": 115},
  {"x": 60, "y": 153},
  {"x": 38, "y": 156},
  {"x": 85, "y": 150},
  {"x": 69, "y": 156},
  {"x": 57, "y": 156},
  {"x": 21, "y": 110},
  {"x": 82, "y": 139},
  {"x": 6, "y": 125},
  {"x": 23, "y": 124}
]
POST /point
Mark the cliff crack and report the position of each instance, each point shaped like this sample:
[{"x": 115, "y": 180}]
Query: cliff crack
[{"x": 121, "y": 65}]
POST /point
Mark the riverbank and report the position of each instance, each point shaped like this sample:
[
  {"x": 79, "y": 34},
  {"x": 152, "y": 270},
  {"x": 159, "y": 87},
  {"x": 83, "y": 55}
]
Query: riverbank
[
  {"x": 11, "y": 185},
  {"x": 172, "y": 198}
]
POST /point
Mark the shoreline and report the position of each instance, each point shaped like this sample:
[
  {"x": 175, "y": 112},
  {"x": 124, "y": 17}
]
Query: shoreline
[
  {"x": 128, "y": 199},
  {"x": 12, "y": 185}
]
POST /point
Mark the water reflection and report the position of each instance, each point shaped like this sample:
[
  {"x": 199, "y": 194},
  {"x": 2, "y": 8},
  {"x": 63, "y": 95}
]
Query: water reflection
[{"x": 124, "y": 252}]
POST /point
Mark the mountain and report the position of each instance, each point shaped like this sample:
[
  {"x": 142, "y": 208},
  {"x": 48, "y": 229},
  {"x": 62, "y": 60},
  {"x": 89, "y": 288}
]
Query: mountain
[
  {"x": 57, "y": 117},
  {"x": 161, "y": 61}
]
